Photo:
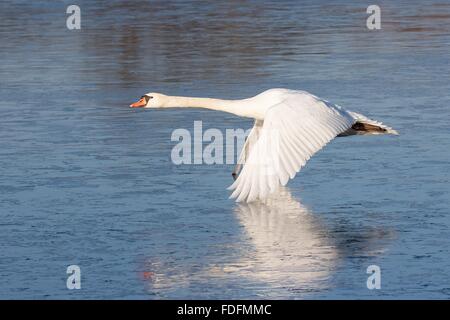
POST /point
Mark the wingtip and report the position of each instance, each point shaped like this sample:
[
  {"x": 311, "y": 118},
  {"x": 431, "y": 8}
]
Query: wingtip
[{"x": 233, "y": 185}]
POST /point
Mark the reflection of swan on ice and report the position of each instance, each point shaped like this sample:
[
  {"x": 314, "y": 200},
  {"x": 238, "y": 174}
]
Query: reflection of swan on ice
[
  {"x": 290, "y": 247},
  {"x": 284, "y": 246}
]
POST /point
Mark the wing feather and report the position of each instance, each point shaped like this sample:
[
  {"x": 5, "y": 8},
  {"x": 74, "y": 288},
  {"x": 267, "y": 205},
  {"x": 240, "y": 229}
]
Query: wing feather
[{"x": 292, "y": 132}]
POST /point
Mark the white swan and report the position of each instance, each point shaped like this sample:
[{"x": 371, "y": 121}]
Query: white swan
[{"x": 290, "y": 126}]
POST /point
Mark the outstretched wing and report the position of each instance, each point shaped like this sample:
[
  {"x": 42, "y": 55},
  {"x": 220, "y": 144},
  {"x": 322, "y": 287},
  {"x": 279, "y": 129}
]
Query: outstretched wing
[{"x": 293, "y": 131}]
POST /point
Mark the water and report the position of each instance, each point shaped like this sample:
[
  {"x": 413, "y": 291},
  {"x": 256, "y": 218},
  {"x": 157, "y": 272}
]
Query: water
[{"x": 86, "y": 180}]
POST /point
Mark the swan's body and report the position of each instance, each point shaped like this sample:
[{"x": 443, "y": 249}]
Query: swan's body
[{"x": 290, "y": 127}]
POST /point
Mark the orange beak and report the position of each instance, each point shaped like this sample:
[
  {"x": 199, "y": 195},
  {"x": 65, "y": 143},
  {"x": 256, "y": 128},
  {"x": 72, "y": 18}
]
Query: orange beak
[{"x": 141, "y": 103}]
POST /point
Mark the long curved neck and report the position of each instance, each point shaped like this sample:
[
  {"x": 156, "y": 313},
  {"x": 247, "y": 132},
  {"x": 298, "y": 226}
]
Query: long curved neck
[{"x": 237, "y": 107}]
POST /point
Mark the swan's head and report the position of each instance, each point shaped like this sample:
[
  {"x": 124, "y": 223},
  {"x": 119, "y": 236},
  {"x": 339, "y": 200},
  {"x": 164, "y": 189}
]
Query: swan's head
[{"x": 151, "y": 100}]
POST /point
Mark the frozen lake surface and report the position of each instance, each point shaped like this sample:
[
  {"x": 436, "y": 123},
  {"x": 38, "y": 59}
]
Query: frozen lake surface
[{"x": 86, "y": 180}]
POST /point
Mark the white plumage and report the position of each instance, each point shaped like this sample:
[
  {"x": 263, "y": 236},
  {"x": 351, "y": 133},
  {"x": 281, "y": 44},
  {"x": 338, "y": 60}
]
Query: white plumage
[
  {"x": 293, "y": 130},
  {"x": 290, "y": 127}
]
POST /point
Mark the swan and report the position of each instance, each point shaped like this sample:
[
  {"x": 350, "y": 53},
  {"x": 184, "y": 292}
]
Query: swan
[{"x": 290, "y": 127}]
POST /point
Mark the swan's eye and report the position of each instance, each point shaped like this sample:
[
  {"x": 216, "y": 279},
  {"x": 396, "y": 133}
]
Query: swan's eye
[{"x": 146, "y": 98}]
